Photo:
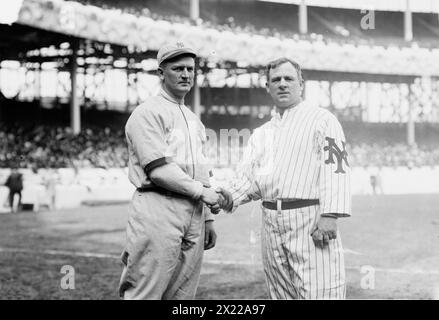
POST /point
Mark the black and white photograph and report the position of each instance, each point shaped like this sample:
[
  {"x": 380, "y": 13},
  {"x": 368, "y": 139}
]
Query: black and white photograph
[{"x": 219, "y": 150}]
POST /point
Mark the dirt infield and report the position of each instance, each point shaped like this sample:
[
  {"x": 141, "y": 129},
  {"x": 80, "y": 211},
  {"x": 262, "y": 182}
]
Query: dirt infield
[{"x": 393, "y": 238}]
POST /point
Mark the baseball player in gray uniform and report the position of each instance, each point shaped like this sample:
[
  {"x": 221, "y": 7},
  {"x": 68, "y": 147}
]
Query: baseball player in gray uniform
[
  {"x": 297, "y": 165},
  {"x": 168, "y": 226}
]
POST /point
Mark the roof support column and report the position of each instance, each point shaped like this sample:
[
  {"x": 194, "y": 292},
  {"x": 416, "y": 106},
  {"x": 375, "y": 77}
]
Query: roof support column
[
  {"x": 195, "y": 14},
  {"x": 75, "y": 111},
  {"x": 197, "y": 96},
  {"x": 410, "y": 121},
  {"x": 195, "y": 9},
  {"x": 408, "y": 25},
  {"x": 303, "y": 18}
]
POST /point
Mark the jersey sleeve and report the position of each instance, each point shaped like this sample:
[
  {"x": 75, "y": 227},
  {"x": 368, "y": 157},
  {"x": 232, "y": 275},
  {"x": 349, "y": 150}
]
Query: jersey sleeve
[
  {"x": 335, "y": 172},
  {"x": 244, "y": 187},
  {"x": 207, "y": 165},
  {"x": 145, "y": 132},
  {"x": 208, "y": 216}
]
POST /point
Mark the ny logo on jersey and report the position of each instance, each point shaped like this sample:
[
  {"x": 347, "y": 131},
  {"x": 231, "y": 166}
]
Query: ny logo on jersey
[{"x": 340, "y": 155}]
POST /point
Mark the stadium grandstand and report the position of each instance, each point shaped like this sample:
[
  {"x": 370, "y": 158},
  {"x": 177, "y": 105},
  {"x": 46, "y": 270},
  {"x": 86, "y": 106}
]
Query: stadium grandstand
[
  {"x": 72, "y": 71},
  {"x": 280, "y": 19}
]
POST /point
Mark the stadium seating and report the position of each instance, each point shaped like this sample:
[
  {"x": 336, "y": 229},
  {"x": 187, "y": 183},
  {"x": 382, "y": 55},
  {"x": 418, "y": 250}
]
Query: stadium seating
[
  {"x": 103, "y": 150},
  {"x": 281, "y": 20}
]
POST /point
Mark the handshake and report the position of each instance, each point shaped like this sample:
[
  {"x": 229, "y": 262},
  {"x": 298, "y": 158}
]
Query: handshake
[{"x": 217, "y": 199}]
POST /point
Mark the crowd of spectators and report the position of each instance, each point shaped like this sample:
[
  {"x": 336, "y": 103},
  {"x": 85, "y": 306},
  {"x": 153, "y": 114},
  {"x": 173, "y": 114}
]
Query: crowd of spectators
[
  {"x": 137, "y": 9},
  {"x": 57, "y": 147},
  {"x": 393, "y": 155},
  {"x": 326, "y": 26}
]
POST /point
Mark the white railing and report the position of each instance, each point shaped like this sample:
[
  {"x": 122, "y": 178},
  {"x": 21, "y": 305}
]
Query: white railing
[{"x": 71, "y": 190}]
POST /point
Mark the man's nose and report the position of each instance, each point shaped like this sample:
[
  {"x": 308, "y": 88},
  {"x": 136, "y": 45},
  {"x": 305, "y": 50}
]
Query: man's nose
[
  {"x": 185, "y": 73},
  {"x": 282, "y": 82}
]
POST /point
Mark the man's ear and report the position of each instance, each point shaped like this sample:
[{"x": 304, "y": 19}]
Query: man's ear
[
  {"x": 302, "y": 86},
  {"x": 160, "y": 73}
]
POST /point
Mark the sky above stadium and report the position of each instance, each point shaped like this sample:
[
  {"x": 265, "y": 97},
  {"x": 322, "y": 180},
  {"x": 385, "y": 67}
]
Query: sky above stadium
[{"x": 429, "y": 6}]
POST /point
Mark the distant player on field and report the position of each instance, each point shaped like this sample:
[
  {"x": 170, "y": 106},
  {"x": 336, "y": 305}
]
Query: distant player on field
[{"x": 14, "y": 182}]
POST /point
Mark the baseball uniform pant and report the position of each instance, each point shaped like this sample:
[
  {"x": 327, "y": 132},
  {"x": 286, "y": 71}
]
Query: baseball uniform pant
[
  {"x": 294, "y": 267},
  {"x": 165, "y": 244},
  {"x": 11, "y": 198}
]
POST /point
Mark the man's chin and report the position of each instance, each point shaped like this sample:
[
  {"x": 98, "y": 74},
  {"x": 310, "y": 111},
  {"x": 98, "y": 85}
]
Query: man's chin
[
  {"x": 181, "y": 92},
  {"x": 284, "y": 103},
  {"x": 185, "y": 88}
]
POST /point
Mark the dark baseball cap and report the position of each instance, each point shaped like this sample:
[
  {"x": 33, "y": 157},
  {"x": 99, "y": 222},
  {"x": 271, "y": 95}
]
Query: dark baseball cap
[{"x": 173, "y": 50}]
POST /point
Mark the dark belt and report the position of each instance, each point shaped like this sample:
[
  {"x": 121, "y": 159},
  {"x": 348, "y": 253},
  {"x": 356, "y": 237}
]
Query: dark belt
[{"x": 290, "y": 204}]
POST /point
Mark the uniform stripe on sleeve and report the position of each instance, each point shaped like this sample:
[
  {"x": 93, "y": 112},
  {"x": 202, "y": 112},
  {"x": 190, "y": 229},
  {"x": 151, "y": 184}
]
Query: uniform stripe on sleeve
[{"x": 156, "y": 163}]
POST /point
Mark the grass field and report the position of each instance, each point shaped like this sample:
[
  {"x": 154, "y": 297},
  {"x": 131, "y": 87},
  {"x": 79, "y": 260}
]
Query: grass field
[{"x": 397, "y": 236}]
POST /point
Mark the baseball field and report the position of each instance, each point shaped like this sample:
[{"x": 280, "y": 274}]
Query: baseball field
[{"x": 391, "y": 251}]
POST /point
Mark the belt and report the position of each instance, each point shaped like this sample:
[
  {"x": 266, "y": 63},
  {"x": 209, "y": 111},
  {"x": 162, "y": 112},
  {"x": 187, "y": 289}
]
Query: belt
[{"x": 290, "y": 204}]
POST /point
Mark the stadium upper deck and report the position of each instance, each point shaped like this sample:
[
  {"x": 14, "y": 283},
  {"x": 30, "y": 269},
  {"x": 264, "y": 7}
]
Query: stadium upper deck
[
  {"x": 276, "y": 19},
  {"x": 249, "y": 38}
]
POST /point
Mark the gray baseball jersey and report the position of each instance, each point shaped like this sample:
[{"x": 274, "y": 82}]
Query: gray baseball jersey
[
  {"x": 165, "y": 232},
  {"x": 161, "y": 131}
]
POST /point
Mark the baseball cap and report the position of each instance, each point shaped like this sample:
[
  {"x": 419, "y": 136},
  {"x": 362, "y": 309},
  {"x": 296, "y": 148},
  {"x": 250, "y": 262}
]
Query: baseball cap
[{"x": 173, "y": 50}]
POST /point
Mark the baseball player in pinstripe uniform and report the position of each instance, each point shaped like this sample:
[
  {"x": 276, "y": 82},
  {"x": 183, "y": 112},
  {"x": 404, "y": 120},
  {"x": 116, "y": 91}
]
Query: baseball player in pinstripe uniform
[
  {"x": 168, "y": 226},
  {"x": 297, "y": 165}
]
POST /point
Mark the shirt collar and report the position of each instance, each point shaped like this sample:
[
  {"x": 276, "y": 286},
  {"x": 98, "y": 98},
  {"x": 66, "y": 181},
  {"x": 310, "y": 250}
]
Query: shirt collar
[
  {"x": 168, "y": 97},
  {"x": 276, "y": 114}
]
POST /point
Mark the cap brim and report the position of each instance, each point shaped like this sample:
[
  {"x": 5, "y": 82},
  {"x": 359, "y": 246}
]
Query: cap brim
[{"x": 177, "y": 53}]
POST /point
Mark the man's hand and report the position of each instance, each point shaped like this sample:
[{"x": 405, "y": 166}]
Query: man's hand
[
  {"x": 209, "y": 196},
  {"x": 225, "y": 201},
  {"x": 215, "y": 209},
  {"x": 324, "y": 231},
  {"x": 209, "y": 235}
]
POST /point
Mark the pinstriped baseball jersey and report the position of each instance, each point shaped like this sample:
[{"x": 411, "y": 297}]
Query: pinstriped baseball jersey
[{"x": 300, "y": 155}]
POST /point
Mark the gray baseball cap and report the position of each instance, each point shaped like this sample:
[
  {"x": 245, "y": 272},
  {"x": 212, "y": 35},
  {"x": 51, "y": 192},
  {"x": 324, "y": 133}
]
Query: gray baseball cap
[{"x": 173, "y": 50}]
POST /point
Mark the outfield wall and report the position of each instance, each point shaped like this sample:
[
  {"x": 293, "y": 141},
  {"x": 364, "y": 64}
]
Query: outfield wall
[
  {"x": 65, "y": 188},
  {"x": 399, "y": 180}
]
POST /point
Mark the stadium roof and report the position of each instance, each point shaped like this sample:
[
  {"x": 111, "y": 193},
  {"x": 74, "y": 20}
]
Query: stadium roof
[
  {"x": 53, "y": 20},
  {"x": 426, "y": 6}
]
